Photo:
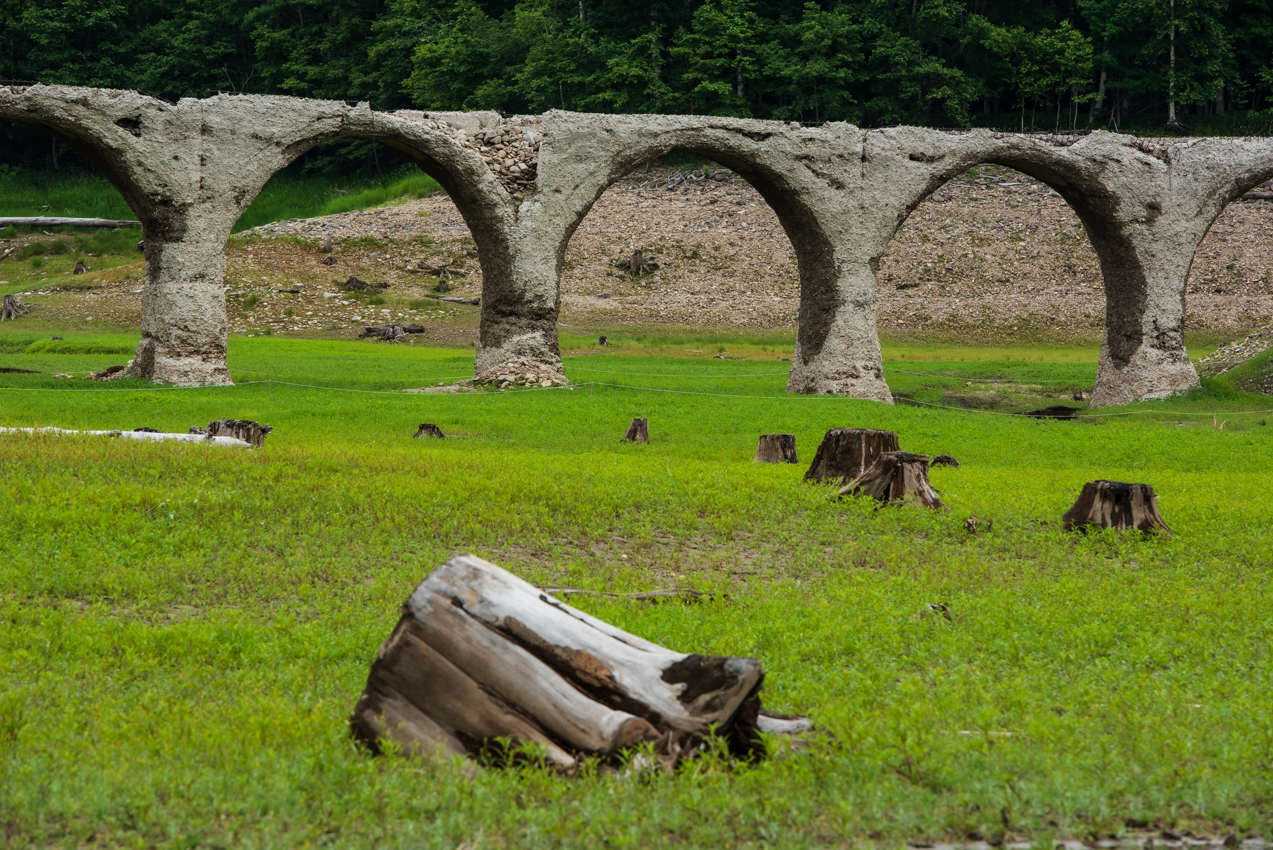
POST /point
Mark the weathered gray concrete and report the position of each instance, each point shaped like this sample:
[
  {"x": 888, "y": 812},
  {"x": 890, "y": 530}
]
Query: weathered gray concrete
[{"x": 524, "y": 185}]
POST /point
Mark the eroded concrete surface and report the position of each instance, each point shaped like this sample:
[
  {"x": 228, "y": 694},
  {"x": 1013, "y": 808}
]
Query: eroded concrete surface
[{"x": 523, "y": 185}]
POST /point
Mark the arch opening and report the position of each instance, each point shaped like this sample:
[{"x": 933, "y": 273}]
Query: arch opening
[{"x": 731, "y": 248}]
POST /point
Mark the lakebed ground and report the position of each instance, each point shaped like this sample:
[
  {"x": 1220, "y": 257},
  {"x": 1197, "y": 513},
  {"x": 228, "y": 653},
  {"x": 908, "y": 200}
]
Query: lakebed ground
[
  {"x": 185, "y": 628},
  {"x": 994, "y": 258}
]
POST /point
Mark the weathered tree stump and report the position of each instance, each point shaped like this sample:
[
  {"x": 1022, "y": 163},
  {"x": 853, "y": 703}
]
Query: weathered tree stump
[
  {"x": 845, "y": 453},
  {"x": 601, "y": 340},
  {"x": 12, "y": 308},
  {"x": 252, "y": 433},
  {"x": 638, "y": 432},
  {"x": 428, "y": 429},
  {"x": 776, "y": 448},
  {"x": 80, "y": 268},
  {"x": 896, "y": 477},
  {"x": 1113, "y": 504},
  {"x": 480, "y": 656}
]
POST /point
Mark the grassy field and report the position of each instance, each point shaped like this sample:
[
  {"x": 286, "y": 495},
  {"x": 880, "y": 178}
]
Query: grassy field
[
  {"x": 287, "y": 195},
  {"x": 184, "y": 629}
]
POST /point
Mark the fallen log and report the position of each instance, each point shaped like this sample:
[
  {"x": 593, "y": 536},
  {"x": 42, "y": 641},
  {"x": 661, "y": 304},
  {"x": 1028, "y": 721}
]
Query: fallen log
[
  {"x": 1114, "y": 504},
  {"x": 896, "y": 478},
  {"x": 481, "y": 659},
  {"x": 638, "y": 432},
  {"x": 428, "y": 429},
  {"x": 776, "y": 448},
  {"x": 1257, "y": 196},
  {"x": 845, "y": 453},
  {"x": 390, "y": 332},
  {"x": 50, "y": 221},
  {"x": 134, "y": 435},
  {"x": 454, "y": 300}
]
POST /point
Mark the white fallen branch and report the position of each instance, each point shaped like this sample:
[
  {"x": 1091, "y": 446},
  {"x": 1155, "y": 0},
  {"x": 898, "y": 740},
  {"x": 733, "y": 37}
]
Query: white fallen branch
[
  {"x": 134, "y": 435},
  {"x": 51, "y": 221}
]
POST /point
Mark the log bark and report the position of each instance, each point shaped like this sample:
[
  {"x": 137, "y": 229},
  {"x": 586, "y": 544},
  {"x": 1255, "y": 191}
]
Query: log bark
[
  {"x": 428, "y": 429},
  {"x": 50, "y": 221},
  {"x": 776, "y": 448},
  {"x": 1114, "y": 504},
  {"x": 481, "y": 656},
  {"x": 896, "y": 477},
  {"x": 252, "y": 433},
  {"x": 638, "y": 432},
  {"x": 390, "y": 332},
  {"x": 846, "y": 453}
]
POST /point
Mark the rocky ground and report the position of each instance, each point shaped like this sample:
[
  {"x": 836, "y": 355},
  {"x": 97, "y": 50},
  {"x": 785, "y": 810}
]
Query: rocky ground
[{"x": 992, "y": 256}]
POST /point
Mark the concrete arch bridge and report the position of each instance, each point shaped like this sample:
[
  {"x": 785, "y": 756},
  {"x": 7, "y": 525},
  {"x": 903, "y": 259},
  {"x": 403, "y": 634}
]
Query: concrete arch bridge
[{"x": 523, "y": 184}]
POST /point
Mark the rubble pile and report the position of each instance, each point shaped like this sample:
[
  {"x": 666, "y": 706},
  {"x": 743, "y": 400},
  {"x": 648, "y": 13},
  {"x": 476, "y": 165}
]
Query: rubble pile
[
  {"x": 1236, "y": 353},
  {"x": 520, "y": 372},
  {"x": 510, "y": 147}
]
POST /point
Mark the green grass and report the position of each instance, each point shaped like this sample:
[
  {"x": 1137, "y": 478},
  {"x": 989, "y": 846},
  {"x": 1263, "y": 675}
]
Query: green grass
[
  {"x": 286, "y": 195},
  {"x": 184, "y": 629}
]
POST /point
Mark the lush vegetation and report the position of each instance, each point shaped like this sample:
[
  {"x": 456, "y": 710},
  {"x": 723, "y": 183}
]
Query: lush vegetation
[
  {"x": 929, "y": 61},
  {"x": 184, "y": 629},
  {"x": 290, "y": 194}
]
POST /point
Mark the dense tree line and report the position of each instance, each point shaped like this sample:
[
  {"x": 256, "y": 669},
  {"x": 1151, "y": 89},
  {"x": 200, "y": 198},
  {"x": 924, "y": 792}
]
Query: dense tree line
[{"x": 875, "y": 62}]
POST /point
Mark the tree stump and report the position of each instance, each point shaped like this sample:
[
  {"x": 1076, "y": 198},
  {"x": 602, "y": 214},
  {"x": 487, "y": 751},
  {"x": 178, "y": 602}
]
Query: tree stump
[
  {"x": 896, "y": 477},
  {"x": 80, "y": 268},
  {"x": 252, "y": 433},
  {"x": 481, "y": 657},
  {"x": 776, "y": 448},
  {"x": 638, "y": 432},
  {"x": 428, "y": 429},
  {"x": 845, "y": 453},
  {"x": 12, "y": 308},
  {"x": 1113, "y": 504},
  {"x": 601, "y": 340}
]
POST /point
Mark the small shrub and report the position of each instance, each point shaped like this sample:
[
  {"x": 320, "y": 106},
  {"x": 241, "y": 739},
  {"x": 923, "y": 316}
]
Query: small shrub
[
  {"x": 421, "y": 304},
  {"x": 376, "y": 300},
  {"x": 37, "y": 262},
  {"x": 289, "y": 312},
  {"x": 251, "y": 301}
]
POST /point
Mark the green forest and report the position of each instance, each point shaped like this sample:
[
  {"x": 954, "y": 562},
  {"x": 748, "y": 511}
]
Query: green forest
[{"x": 1043, "y": 65}]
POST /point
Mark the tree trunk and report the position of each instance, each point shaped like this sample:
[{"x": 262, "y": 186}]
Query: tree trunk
[
  {"x": 638, "y": 432},
  {"x": 428, "y": 429},
  {"x": 845, "y": 453},
  {"x": 896, "y": 477},
  {"x": 481, "y": 657},
  {"x": 1113, "y": 504},
  {"x": 776, "y": 448}
]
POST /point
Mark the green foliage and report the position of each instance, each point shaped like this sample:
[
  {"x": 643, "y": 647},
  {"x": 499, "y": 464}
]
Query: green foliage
[
  {"x": 934, "y": 62},
  {"x": 186, "y": 629}
]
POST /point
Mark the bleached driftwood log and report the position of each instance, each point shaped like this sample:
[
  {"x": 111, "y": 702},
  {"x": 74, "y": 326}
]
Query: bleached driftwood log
[
  {"x": 1114, "y": 504},
  {"x": 480, "y": 655},
  {"x": 53, "y": 221},
  {"x": 845, "y": 453},
  {"x": 149, "y": 436},
  {"x": 896, "y": 477}
]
